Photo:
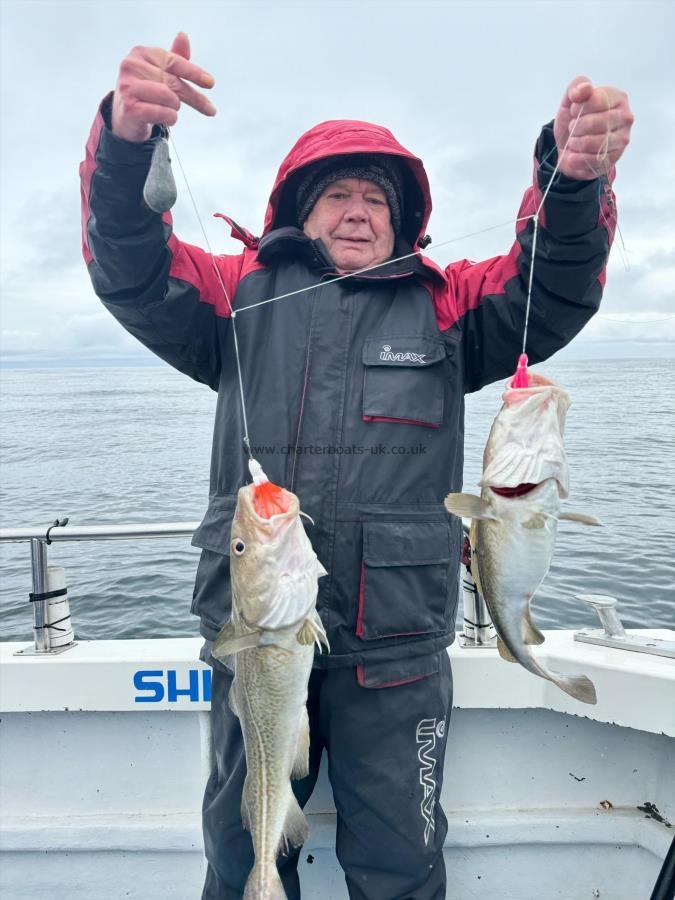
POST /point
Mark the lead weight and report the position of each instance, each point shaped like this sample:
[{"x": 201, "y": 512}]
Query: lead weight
[{"x": 159, "y": 191}]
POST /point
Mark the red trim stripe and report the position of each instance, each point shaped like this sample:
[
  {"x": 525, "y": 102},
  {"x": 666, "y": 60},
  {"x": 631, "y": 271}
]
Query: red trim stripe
[
  {"x": 359, "y": 617},
  {"x": 87, "y": 169},
  {"x": 400, "y": 421},
  {"x": 361, "y": 678}
]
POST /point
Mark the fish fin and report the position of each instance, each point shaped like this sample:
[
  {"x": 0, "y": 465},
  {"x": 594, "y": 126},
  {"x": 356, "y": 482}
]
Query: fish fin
[
  {"x": 245, "y": 809},
  {"x": 578, "y": 686},
  {"x": 504, "y": 651},
  {"x": 232, "y": 700},
  {"x": 301, "y": 762},
  {"x": 469, "y": 506},
  {"x": 296, "y": 828},
  {"x": 264, "y": 878},
  {"x": 475, "y": 557},
  {"x": 306, "y": 634},
  {"x": 227, "y": 631},
  {"x": 582, "y": 518},
  {"x": 531, "y": 634},
  {"x": 312, "y": 631},
  {"x": 228, "y": 642}
]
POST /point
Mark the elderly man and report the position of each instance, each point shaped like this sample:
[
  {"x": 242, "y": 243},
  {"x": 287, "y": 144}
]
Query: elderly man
[{"x": 354, "y": 392}]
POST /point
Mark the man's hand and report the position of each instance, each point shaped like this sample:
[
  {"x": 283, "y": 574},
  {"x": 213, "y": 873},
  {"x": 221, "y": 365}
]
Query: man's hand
[
  {"x": 151, "y": 85},
  {"x": 601, "y": 134}
]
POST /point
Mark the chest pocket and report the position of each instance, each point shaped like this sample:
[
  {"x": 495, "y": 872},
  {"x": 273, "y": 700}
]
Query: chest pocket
[
  {"x": 211, "y": 599},
  {"x": 404, "y": 379}
]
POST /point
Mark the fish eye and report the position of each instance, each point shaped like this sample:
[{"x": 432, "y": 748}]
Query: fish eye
[{"x": 238, "y": 546}]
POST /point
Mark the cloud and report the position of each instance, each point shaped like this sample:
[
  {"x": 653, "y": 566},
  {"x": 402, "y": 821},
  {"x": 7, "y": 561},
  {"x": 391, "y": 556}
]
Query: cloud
[
  {"x": 90, "y": 335},
  {"x": 464, "y": 85}
]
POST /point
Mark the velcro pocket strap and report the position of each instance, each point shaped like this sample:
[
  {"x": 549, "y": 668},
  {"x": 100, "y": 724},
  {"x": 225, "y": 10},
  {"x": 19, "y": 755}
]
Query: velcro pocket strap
[
  {"x": 405, "y": 543},
  {"x": 215, "y": 530}
]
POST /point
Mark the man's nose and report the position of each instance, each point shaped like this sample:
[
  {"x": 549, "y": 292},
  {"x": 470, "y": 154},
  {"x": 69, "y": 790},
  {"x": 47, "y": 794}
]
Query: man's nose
[{"x": 357, "y": 210}]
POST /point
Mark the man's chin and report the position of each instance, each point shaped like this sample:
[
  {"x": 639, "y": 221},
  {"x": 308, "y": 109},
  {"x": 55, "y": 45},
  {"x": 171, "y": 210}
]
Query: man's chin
[{"x": 353, "y": 258}]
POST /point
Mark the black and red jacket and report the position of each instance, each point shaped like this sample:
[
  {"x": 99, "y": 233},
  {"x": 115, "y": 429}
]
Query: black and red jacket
[{"x": 365, "y": 377}]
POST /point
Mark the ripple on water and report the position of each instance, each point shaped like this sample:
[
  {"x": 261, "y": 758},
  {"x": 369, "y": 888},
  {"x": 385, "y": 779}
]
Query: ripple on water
[{"x": 133, "y": 445}]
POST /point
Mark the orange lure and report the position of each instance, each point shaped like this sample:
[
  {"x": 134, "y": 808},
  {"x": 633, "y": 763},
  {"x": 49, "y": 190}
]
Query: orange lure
[{"x": 269, "y": 499}]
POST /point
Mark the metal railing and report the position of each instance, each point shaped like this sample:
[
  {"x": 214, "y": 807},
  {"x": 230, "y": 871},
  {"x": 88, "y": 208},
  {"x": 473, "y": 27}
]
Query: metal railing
[
  {"x": 54, "y": 533},
  {"x": 479, "y": 630},
  {"x": 41, "y": 538}
]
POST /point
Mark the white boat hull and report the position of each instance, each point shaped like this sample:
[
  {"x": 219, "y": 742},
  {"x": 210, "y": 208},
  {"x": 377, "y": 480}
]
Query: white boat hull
[{"x": 102, "y": 772}]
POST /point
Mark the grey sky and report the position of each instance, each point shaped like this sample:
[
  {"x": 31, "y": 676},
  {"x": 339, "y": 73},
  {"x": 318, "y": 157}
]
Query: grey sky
[{"x": 464, "y": 85}]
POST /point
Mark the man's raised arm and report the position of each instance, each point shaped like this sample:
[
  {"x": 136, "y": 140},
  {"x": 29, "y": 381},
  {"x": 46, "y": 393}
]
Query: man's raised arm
[
  {"x": 163, "y": 291},
  {"x": 488, "y": 300}
]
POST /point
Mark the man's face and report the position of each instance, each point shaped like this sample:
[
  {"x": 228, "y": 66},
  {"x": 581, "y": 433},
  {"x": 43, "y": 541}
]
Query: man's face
[{"x": 353, "y": 220}]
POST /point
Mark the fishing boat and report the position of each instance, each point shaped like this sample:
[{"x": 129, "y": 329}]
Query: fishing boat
[{"x": 106, "y": 748}]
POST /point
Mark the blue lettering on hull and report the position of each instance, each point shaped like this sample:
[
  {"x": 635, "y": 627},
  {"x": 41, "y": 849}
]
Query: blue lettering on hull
[{"x": 155, "y": 685}]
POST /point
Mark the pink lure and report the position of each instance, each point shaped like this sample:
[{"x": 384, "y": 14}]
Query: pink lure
[{"x": 521, "y": 379}]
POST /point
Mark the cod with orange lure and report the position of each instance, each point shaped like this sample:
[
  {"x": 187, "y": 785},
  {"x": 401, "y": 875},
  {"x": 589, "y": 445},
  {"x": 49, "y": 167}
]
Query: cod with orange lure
[
  {"x": 269, "y": 642},
  {"x": 515, "y": 519}
]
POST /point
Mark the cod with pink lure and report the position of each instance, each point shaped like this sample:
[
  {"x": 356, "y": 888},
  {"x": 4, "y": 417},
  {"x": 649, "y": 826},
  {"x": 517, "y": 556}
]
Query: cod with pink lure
[
  {"x": 515, "y": 519},
  {"x": 269, "y": 642}
]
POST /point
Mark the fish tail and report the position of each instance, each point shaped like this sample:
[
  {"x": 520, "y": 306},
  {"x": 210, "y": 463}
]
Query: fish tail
[
  {"x": 577, "y": 686},
  {"x": 264, "y": 883}
]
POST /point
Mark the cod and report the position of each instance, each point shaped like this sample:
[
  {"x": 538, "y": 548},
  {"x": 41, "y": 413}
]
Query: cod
[
  {"x": 515, "y": 519},
  {"x": 269, "y": 642}
]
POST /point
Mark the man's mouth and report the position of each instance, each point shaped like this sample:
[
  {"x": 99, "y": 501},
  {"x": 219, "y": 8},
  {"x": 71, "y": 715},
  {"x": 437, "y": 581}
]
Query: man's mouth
[{"x": 353, "y": 240}]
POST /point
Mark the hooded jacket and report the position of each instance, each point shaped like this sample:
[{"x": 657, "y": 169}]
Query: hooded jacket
[{"x": 355, "y": 387}]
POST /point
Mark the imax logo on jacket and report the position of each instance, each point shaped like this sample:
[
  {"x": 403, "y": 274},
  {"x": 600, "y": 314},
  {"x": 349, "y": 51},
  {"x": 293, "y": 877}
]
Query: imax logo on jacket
[{"x": 387, "y": 355}]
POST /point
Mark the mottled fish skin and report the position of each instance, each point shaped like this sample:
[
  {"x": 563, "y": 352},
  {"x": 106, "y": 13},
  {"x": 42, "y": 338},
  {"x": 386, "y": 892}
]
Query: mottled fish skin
[
  {"x": 509, "y": 567},
  {"x": 513, "y": 537},
  {"x": 269, "y": 643},
  {"x": 270, "y": 695}
]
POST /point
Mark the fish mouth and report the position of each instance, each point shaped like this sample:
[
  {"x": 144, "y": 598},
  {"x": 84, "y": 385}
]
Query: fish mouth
[
  {"x": 525, "y": 488},
  {"x": 519, "y": 491},
  {"x": 246, "y": 498}
]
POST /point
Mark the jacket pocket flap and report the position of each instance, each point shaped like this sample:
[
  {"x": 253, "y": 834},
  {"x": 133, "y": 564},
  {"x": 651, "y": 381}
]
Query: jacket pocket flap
[
  {"x": 403, "y": 350},
  {"x": 216, "y": 527},
  {"x": 406, "y": 543},
  {"x": 393, "y": 673}
]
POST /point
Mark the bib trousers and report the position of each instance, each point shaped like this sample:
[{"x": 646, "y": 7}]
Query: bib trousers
[{"x": 385, "y": 749}]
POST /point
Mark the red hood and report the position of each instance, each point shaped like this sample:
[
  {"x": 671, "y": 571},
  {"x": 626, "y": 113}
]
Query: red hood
[{"x": 345, "y": 136}]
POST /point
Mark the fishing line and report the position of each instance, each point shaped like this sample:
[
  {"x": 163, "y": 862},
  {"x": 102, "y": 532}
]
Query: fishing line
[
  {"x": 453, "y": 240},
  {"x": 622, "y": 244},
  {"x": 233, "y": 314},
  {"x": 635, "y": 321},
  {"x": 387, "y": 262},
  {"x": 415, "y": 253},
  {"x": 601, "y": 158},
  {"x": 535, "y": 230}
]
